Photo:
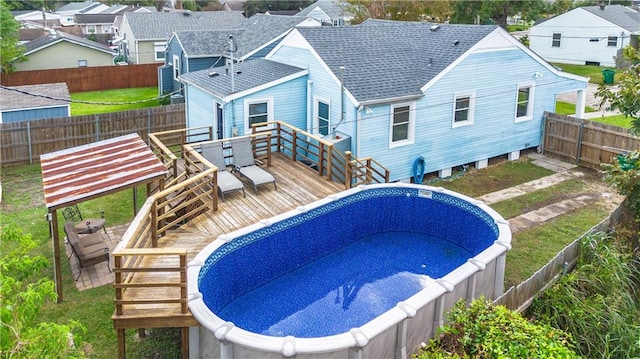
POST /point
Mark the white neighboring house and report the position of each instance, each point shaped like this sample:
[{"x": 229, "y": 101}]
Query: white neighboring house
[{"x": 589, "y": 35}]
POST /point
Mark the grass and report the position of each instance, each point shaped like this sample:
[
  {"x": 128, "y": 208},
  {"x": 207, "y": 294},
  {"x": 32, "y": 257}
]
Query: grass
[
  {"x": 566, "y": 108},
  {"x": 616, "y": 120},
  {"x": 102, "y": 101},
  {"x": 23, "y": 204},
  {"x": 594, "y": 73}
]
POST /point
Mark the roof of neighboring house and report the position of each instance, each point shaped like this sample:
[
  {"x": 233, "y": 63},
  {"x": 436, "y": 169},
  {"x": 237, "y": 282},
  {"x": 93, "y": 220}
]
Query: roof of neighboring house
[
  {"x": 623, "y": 16},
  {"x": 59, "y": 36},
  {"x": 234, "y": 5},
  {"x": 160, "y": 25},
  {"x": 334, "y": 8},
  {"x": 19, "y": 97},
  {"x": 79, "y": 7},
  {"x": 95, "y": 18},
  {"x": 255, "y": 32},
  {"x": 31, "y": 34},
  {"x": 249, "y": 75},
  {"x": 389, "y": 59}
]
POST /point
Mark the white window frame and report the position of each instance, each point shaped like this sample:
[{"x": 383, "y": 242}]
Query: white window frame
[
  {"x": 176, "y": 67},
  {"x": 316, "y": 115},
  {"x": 156, "y": 47},
  {"x": 92, "y": 29},
  {"x": 612, "y": 41},
  {"x": 532, "y": 92},
  {"x": 556, "y": 42},
  {"x": 470, "y": 110},
  {"x": 252, "y": 101},
  {"x": 411, "y": 125}
]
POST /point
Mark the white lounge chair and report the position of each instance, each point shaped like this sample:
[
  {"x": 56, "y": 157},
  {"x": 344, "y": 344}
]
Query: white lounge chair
[
  {"x": 244, "y": 163},
  {"x": 227, "y": 182}
]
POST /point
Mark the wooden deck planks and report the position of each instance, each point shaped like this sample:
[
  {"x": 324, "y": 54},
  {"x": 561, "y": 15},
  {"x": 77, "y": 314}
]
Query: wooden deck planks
[{"x": 297, "y": 185}]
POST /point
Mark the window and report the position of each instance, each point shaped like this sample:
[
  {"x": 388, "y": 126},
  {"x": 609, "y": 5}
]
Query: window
[
  {"x": 612, "y": 41},
  {"x": 321, "y": 123},
  {"x": 556, "y": 40},
  {"x": 176, "y": 67},
  {"x": 158, "y": 50},
  {"x": 83, "y": 63},
  {"x": 258, "y": 111},
  {"x": 106, "y": 29},
  {"x": 463, "y": 108},
  {"x": 91, "y": 29},
  {"x": 524, "y": 102},
  {"x": 402, "y": 124}
]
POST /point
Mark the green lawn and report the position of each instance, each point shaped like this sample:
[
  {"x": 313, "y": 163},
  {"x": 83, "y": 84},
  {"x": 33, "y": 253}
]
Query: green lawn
[
  {"x": 593, "y": 72},
  {"x": 566, "y": 108},
  {"x": 617, "y": 120},
  {"x": 102, "y": 101}
]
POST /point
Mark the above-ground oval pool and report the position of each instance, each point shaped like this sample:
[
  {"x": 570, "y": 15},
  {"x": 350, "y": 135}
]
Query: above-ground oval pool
[{"x": 368, "y": 272}]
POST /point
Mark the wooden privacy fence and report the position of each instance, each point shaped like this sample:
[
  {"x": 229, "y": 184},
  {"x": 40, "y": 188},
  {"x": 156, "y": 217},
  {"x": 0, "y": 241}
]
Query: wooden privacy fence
[
  {"x": 584, "y": 142},
  {"x": 84, "y": 79},
  {"x": 24, "y": 142},
  {"x": 520, "y": 297}
]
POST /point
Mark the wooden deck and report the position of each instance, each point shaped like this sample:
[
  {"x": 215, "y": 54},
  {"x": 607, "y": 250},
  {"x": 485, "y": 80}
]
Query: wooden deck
[{"x": 297, "y": 185}]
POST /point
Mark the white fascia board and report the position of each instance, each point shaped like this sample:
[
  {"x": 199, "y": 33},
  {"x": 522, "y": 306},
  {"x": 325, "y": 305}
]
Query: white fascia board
[
  {"x": 295, "y": 39},
  {"x": 279, "y": 81},
  {"x": 500, "y": 40},
  {"x": 34, "y": 108}
]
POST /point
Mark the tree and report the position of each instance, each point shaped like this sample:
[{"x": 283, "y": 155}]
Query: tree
[
  {"x": 400, "y": 10},
  {"x": 252, "y": 7},
  {"x": 627, "y": 98},
  {"x": 10, "y": 48},
  {"x": 496, "y": 11},
  {"x": 23, "y": 290}
]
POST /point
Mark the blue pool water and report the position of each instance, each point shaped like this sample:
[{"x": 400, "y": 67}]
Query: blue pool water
[
  {"x": 346, "y": 288},
  {"x": 339, "y": 265}
]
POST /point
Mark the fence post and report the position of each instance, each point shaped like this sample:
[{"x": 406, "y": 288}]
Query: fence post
[
  {"x": 97, "y": 123},
  {"x": 579, "y": 144},
  {"x": 29, "y": 140}
]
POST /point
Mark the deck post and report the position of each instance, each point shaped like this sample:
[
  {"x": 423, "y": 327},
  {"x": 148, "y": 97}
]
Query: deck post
[
  {"x": 185, "y": 341},
  {"x": 154, "y": 223},
  {"x": 117, "y": 263},
  {"x": 269, "y": 150},
  {"x": 320, "y": 158},
  {"x": 279, "y": 134},
  {"x": 122, "y": 353},
  {"x": 294, "y": 145},
  {"x": 369, "y": 174},
  {"x": 347, "y": 169},
  {"x": 329, "y": 162}
]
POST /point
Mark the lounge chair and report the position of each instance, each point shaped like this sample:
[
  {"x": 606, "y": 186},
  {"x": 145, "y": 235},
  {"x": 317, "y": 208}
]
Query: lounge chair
[
  {"x": 227, "y": 182},
  {"x": 245, "y": 163},
  {"x": 72, "y": 214},
  {"x": 90, "y": 249}
]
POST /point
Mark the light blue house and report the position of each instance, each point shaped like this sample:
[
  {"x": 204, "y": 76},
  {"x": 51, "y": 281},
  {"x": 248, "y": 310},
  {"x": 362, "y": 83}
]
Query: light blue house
[
  {"x": 452, "y": 94},
  {"x": 189, "y": 51}
]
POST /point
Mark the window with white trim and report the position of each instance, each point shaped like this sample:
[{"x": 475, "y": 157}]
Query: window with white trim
[
  {"x": 258, "y": 111},
  {"x": 402, "y": 124},
  {"x": 524, "y": 102},
  {"x": 321, "y": 119},
  {"x": 612, "y": 41},
  {"x": 463, "y": 109},
  {"x": 176, "y": 67},
  {"x": 158, "y": 50},
  {"x": 555, "y": 41},
  {"x": 91, "y": 29}
]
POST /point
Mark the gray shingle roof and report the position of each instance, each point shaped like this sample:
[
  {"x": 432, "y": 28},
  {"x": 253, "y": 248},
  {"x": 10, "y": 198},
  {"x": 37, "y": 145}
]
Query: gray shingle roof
[
  {"x": 388, "y": 59},
  {"x": 160, "y": 25},
  {"x": 46, "y": 40},
  {"x": 622, "y": 16},
  {"x": 95, "y": 18},
  {"x": 252, "y": 74},
  {"x": 13, "y": 100},
  {"x": 257, "y": 31},
  {"x": 78, "y": 6}
]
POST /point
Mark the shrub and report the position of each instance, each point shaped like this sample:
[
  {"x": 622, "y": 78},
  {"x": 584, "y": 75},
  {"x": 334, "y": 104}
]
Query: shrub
[{"x": 483, "y": 330}]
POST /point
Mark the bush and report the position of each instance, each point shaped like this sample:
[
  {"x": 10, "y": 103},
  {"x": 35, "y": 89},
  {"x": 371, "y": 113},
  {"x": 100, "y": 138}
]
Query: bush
[{"x": 483, "y": 330}]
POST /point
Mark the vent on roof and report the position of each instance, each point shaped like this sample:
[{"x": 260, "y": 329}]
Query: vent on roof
[
  {"x": 456, "y": 42},
  {"x": 213, "y": 74},
  {"x": 434, "y": 28},
  {"x": 187, "y": 13}
]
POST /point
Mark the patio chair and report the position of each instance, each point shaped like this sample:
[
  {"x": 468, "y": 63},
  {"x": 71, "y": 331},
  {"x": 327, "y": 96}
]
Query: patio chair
[
  {"x": 72, "y": 214},
  {"x": 227, "y": 182},
  {"x": 245, "y": 163},
  {"x": 90, "y": 249}
]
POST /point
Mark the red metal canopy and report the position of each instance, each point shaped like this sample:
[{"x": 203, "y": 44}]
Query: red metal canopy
[{"x": 81, "y": 173}]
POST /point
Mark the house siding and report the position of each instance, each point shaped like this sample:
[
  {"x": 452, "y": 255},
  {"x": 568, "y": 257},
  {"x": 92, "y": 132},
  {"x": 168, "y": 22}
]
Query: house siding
[
  {"x": 575, "y": 45},
  {"x": 34, "y": 114},
  {"x": 323, "y": 85},
  {"x": 494, "y": 78},
  {"x": 63, "y": 55}
]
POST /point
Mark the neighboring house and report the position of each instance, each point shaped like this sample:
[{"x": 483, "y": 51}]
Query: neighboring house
[
  {"x": 189, "y": 51},
  {"x": 95, "y": 24},
  {"x": 59, "y": 50},
  {"x": 33, "y": 102},
  {"x": 453, "y": 94},
  {"x": 328, "y": 12},
  {"x": 590, "y": 35},
  {"x": 36, "y": 19},
  {"x": 87, "y": 7},
  {"x": 145, "y": 36}
]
